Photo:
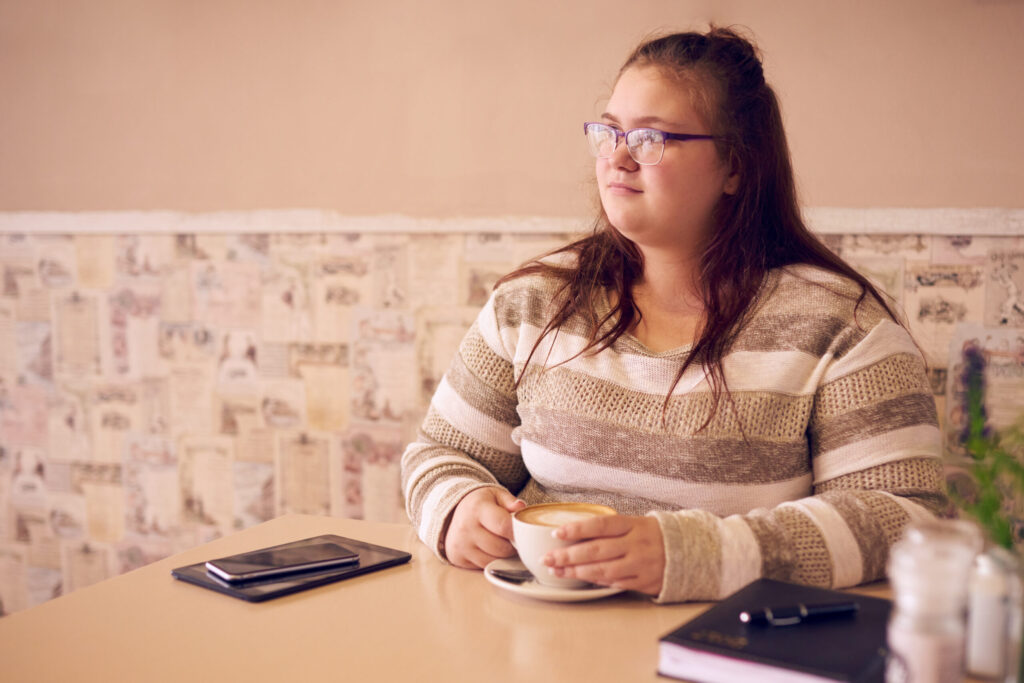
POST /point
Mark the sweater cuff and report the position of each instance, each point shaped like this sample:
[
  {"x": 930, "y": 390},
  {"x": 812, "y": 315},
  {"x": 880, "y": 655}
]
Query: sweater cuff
[{"x": 692, "y": 555}]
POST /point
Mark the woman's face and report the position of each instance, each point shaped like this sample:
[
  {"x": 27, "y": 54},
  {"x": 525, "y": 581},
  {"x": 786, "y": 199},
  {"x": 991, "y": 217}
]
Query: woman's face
[{"x": 667, "y": 206}]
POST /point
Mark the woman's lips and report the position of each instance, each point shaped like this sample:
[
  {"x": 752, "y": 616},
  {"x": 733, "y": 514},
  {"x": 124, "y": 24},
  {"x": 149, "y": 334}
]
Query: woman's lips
[{"x": 622, "y": 188}]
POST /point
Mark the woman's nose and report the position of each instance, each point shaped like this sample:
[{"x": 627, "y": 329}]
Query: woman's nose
[{"x": 621, "y": 158}]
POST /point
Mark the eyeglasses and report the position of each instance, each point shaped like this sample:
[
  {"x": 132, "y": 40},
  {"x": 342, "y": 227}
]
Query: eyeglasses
[{"x": 645, "y": 145}]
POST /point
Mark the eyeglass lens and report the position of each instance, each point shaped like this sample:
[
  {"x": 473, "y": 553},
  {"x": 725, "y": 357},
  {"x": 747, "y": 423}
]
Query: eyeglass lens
[{"x": 645, "y": 145}]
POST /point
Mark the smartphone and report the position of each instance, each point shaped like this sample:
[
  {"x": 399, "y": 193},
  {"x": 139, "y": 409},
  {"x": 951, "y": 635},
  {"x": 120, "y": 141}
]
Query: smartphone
[{"x": 291, "y": 558}]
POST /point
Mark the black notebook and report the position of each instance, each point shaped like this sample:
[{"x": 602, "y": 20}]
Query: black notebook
[
  {"x": 717, "y": 647},
  {"x": 371, "y": 558}
]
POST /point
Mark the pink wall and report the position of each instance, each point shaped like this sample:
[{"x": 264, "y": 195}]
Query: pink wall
[{"x": 473, "y": 108}]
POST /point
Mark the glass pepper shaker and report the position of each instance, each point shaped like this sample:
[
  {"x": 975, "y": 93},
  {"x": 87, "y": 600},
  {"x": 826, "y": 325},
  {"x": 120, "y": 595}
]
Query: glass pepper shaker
[{"x": 993, "y": 616}]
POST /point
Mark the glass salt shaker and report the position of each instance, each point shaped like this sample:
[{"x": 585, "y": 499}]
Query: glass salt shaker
[
  {"x": 928, "y": 570},
  {"x": 1014, "y": 653}
]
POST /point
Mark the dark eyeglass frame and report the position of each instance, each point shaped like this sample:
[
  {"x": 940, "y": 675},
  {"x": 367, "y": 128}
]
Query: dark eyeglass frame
[{"x": 620, "y": 134}]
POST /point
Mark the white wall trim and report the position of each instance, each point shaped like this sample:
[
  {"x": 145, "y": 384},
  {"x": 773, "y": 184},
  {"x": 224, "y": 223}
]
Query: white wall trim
[
  {"x": 266, "y": 221},
  {"x": 824, "y": 220},
  {"x": 896, "y": 221}
]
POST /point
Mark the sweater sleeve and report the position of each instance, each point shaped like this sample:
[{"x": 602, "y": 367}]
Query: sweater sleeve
[
  {"x": 465, "y": 441},
  {"x": 875, "y": 451}
]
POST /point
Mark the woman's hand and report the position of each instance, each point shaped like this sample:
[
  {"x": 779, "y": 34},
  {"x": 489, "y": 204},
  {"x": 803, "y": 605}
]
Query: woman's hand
[
  {"x": 481, "y": 528},
  {"x": 622, "y": 552}
]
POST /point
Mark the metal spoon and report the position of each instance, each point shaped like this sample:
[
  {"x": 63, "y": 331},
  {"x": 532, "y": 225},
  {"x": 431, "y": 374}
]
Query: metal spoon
[{"x": 512, "y": 575}]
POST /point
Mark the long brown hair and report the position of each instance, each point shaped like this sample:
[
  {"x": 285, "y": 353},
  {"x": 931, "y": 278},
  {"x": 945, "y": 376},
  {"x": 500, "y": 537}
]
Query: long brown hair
[{"x": 756, "y": 229}]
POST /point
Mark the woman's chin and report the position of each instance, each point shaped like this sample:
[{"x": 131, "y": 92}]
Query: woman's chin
[{"x": 630, "y": 229}]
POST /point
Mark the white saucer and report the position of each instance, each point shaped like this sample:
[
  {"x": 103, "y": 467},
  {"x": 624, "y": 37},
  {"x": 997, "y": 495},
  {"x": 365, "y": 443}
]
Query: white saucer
[{"x": 532, "y": 589}]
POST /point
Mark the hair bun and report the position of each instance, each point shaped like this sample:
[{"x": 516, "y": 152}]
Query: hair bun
[
  {"x": 727, "y": 46},
  {"x": 721, "y": 50}
]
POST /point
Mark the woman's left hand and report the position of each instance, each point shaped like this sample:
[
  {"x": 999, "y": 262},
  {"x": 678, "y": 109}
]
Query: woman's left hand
[{"x": 620, "y": 551}]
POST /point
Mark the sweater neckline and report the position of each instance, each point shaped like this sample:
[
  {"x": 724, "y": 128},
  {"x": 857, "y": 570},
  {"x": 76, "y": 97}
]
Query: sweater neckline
[{"x": 628, "y": 341}]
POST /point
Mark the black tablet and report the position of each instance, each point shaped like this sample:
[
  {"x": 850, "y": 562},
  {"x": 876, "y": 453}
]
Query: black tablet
[{"x": 371, "y": 558}]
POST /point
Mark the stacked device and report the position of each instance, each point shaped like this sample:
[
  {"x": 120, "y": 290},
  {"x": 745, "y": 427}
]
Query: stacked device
[{"x": 290, "y": 567}]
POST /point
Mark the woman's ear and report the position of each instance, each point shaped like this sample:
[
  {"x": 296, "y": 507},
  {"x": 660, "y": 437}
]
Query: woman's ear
[{"x": 732, "y": 182}]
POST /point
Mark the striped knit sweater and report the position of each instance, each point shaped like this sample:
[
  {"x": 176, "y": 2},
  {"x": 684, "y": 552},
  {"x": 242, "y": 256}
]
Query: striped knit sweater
[{"x": 827, "y": 448}]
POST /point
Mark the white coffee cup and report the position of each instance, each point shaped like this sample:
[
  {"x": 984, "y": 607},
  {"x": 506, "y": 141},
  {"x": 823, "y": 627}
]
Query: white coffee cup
[{"x": 532, "y": 529}]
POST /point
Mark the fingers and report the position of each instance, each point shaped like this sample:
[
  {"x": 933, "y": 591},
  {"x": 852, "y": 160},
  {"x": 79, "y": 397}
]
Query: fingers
[
  {"x": 496, "y": 520},
  {"x": 587, "y": 552},
  {"x": 497, "y": 517},
  {"x": 601, "y": 573},
  {"x": 625, "y": 572},
  {"x": 505, "y": 499},
  {"x": 477, "y": 550},
  {"x": 480, "y": 549},
  {"x": 496, "y": 525},
  {"x": 602, "y": 562},
  {"x": 470, "y": 558},
  {"x": 480, "y": 528},
  {"x": 625, "y": 552},
  {"x": 493, "y": 545},
  {"x": 595, "y": 527}
]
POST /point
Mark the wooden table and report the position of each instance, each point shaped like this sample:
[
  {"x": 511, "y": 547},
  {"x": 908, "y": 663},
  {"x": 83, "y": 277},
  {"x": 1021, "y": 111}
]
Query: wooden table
[{"x": 422, "y": 621}]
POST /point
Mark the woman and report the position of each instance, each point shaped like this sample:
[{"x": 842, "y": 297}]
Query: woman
[{"x": 743, "y": 398}]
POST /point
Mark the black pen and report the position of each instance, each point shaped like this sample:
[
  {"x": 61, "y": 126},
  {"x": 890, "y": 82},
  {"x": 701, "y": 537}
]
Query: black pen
[{"x": 789, "y": 615}]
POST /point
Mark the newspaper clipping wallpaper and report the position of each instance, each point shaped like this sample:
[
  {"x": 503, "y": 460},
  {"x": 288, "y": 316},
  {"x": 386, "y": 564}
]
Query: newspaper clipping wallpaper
[{"x": 160, "y": 390}]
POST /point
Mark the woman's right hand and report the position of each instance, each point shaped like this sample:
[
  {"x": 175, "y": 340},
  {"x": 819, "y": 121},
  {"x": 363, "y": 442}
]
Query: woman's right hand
[{"x": 481, "y": 528}]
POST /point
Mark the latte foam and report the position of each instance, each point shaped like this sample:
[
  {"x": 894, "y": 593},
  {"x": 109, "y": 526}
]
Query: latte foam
[{"x": 557, "y": 514}]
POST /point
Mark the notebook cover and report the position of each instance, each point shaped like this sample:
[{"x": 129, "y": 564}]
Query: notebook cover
[
  {"x": 847, "y": 648},
  {"x": 371, "y": 558}
]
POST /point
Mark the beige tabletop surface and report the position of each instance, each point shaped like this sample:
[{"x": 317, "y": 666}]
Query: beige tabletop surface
[{"x": 422, "y": 621}]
